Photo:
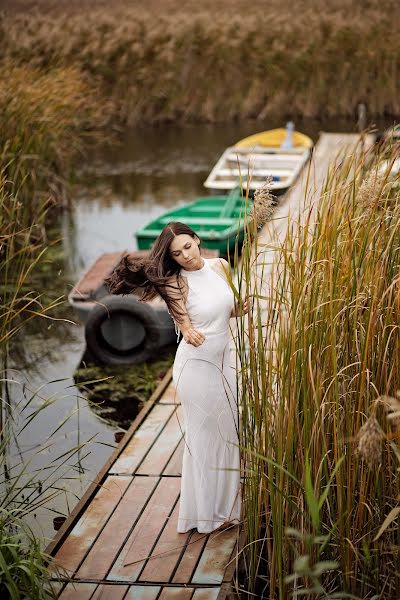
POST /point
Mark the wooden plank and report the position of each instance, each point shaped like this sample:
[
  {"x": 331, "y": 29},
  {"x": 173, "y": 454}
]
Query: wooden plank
[
  {"x": 107, "y": 546},
  {"x": 55, "y": 587},
  {"x": 169, "y": 396},
  {"x": 142, "y": 592},
  {"x": 141, "y": 442},
  {"x": 206, "y": 593},
  {"x": 78, "y": 591},
  {"x": 190, "y": 558},
  {"x": 65, "y": 530},
  {"x": 95, "y": 275},
  {"x": 139, "y": 545},
  {"x": 174, "y": 466},
  {"x": 90, "y": 524},
  {"x": 166, "y": 552},
  {"x": 256, "y": 172},
  {"x": 215, "y": 557},
  {"x": 233, "y": 562},
  {"x": 110, "y": 592},
  {"x": 169, "y": 593},
  {"x": 164, "y": 446}
]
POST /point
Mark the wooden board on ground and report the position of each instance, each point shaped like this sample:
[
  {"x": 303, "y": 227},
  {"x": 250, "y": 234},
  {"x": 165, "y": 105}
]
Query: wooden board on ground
[{"x": 122, "y": 542}]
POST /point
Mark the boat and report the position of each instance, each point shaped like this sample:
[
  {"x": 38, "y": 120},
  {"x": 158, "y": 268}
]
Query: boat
[
  {"x": 391, "y": 135},
  {"x": 388, "y": 166},
  {"x": 217, "y": 220},
  {"x": 120, "y": 329},
  {"x": 391, "y": 170},
  {"x": 279, "y": 154}
]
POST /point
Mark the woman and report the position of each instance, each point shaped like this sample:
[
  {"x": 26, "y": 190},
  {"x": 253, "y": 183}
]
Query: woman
[{"x": 201, "y": 302}]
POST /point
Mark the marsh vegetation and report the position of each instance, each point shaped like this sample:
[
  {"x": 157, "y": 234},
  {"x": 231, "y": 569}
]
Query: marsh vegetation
[
  {"x": 320, "y": 354},
  {"x": 320, "y": 381},
  {"x": 206, "y": 61}
]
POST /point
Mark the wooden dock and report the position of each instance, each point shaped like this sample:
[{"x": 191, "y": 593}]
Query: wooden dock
[
  {"x": 120, "y": 542},
  {"x": 294, "y": 206}
]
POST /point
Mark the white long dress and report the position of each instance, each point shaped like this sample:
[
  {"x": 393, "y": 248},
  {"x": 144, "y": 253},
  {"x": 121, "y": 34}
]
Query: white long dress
[{"x": 205, "y": 382}]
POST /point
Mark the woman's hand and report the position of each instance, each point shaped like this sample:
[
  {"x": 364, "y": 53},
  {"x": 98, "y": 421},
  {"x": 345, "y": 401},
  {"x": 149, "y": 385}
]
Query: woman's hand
[
  {"x": 239, "y": 311},
  {"x": 193, "y": 337}
]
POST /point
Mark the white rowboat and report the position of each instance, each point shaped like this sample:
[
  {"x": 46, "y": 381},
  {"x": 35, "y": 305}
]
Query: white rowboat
[{"x": 279, "y": 154}]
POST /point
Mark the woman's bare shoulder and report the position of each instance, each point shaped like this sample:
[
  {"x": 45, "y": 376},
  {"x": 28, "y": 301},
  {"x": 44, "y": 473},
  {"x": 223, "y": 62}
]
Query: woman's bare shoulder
[
  {"x": 221, "y": 267},
  {"x": 219, "y": 263}
]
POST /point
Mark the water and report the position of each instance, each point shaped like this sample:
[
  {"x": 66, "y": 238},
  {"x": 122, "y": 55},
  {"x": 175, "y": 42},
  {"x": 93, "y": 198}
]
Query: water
[
  {"x": 119, "y": 189},
  {"x": 150, "y": 171}
]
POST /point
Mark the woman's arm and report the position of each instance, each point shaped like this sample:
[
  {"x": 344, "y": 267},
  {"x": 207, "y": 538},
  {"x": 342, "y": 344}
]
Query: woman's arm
[
  {"x": 237, "y": 311},
  {"x": 189, "y": 333}
]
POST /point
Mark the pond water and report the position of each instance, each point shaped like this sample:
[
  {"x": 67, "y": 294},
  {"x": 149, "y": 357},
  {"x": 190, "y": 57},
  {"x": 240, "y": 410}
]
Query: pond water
[{"x": 118, "y": 188}]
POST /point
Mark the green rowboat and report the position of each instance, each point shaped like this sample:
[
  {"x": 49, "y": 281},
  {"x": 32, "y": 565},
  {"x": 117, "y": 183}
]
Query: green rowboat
[{"x": 217, "y": 220}]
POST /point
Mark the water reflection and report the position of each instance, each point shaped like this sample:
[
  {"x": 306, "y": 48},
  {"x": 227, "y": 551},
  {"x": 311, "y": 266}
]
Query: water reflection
[{"x": 122, "y": 187}]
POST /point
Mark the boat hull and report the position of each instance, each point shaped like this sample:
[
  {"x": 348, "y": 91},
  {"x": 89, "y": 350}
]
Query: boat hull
[
  {"x": 217, "y": 220},
  {"x": 253, "y": 160},
  {"x": 222, "y": 246}
]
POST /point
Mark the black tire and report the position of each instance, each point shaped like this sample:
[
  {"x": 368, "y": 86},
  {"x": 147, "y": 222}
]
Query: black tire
[{"x": 129, "y": 313}]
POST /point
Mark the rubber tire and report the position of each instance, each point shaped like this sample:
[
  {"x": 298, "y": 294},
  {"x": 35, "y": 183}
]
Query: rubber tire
[{"x": 101, "y": 351}]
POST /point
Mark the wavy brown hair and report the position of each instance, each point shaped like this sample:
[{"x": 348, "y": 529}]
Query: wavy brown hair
[{"x": 151, "y": 276}]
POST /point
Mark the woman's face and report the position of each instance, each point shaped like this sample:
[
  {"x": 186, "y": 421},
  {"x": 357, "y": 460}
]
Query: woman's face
[{"x": 186, "y": 252}]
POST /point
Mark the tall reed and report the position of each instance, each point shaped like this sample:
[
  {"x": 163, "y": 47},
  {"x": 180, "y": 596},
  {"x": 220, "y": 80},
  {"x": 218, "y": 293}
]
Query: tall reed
[
  {"x": 41, "y": 118},
  {"x": 168, "y": 61},
  {"x": 320, "y": 372},
  {"x": 44, "y": 118}
]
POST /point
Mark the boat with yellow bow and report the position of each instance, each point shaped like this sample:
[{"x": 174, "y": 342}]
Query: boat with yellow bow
[{"x": 278, "y": 154}]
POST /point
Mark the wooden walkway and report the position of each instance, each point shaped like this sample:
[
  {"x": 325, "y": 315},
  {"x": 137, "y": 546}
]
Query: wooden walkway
[
  {"x": 294, "y": 206},
  {"x": 120, "y": 542}
]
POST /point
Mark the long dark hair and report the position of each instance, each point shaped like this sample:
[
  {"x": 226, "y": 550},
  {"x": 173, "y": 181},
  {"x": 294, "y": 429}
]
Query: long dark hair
[{"x": 152, "y": 275}]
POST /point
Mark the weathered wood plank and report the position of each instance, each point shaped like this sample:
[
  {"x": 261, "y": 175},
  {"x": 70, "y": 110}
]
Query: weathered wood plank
[
  {"x": 78, "y": 591},
  {"x": 174, "y": 466},
  {"x": 110, "y": 592},
  {"x": 190, "y": 558},
  {"x": 169, "y": 396},
  {"x": 206, "y": 593},
  {"x": 142, "y": 440},
  {"x": 107, "y": 546},
  {"x": 170, "y": 593},
  {"x": 94, "y": 276},
  {"x": 93, "y": 488},
  {"x": 164, "y": 446},
  {"x": 215, "y": 556},
  {"x": 90, "y": 524},
  {"x": 142, "y": 592},
  {"x": 169, "y": 549},
  {"x": 140, "y": 543}
]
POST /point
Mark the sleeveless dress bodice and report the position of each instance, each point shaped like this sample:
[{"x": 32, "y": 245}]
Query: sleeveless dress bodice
[{"x": 210, "y": 300}]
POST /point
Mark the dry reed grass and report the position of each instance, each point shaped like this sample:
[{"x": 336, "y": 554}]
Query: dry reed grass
[
  {"x": 44, "y": 117},
  {"x": 167, "y": 61},
  {"x": 320, "y": 372}
]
